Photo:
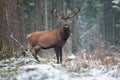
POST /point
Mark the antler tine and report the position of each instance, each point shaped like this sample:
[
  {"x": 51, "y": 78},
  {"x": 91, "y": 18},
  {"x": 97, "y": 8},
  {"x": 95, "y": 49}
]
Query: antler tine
[
  {"x": 62, "y": 14},
  {"x": 54, "y": 12},
  {"x": 75, "y": 12}
]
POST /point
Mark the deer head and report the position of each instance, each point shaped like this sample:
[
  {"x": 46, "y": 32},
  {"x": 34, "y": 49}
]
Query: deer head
[{"x": 65, "y": 20}]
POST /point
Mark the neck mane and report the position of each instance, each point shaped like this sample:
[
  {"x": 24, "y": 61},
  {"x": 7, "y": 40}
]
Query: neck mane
[{"x": 64, "y": 33}]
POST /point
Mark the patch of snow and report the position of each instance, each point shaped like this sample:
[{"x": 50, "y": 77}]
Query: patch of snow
[
  {"x": 72, "y": 56},
  {"x": 99, "y": 74},
  {"x": 41, "y": 72},
  {"x": 31, "y": 4},
  {"x": 115, "y": 1}
]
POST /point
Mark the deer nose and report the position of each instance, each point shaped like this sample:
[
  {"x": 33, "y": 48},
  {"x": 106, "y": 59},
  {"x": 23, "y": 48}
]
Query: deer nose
[{"x": 66, "y": 26}]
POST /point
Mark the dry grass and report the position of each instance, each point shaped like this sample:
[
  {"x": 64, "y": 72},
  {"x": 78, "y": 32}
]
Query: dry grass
[{"x": 101, "y": 57}]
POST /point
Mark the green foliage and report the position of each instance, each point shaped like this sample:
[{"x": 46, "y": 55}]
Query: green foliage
[
  {"x": 28, "y": 25},
  {"x": 28, "y": 5}
]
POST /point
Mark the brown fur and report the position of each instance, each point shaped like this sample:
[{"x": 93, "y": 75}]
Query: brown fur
[{"x": 48, "y": 39}]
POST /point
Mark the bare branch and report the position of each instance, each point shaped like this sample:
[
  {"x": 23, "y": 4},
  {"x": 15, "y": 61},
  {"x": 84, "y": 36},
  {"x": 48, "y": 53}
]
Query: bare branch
[{"x": 12, "y": 37}]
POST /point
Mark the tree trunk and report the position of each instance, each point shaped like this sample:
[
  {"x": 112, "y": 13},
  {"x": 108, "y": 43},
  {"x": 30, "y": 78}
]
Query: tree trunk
[
  {"x": 21, "y": 22},
  {"x": 37, "y": 14},
  {"x": 46, "y": 15},
  {"x": 110, "y": 20},
  {"x": 74, "y": 32},
  {"x": 8, "y": 25},
  {"x": 54, "y": 21}
]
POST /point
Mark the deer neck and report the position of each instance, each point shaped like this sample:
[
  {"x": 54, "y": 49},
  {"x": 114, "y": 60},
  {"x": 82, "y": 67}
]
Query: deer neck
[{"x": 65, "y": 32}]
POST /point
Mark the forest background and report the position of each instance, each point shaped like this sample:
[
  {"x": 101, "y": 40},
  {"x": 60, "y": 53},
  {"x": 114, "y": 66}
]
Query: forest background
[{"x": 98, "y": 22}]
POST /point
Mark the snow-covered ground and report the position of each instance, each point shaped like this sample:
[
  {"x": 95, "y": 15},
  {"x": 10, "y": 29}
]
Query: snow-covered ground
[
  {"x": 73, "y": 68},
  {"x": 48, "y": 72}
]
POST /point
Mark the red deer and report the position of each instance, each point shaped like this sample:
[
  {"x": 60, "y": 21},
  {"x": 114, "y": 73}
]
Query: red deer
[{"x": 51, "y": 39}]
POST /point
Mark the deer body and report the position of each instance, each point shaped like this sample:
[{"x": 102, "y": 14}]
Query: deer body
[{"x": 50, "y": 39}]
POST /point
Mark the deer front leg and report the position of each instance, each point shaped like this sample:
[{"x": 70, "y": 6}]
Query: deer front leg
[
  {"x": 60, "y": 55},
  {"x": 58, "y": 51}
]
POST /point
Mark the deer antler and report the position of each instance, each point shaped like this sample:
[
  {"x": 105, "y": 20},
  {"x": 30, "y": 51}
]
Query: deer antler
[
  {"x": 75, "y": 12},
  {"x": 55, "y": 13}
]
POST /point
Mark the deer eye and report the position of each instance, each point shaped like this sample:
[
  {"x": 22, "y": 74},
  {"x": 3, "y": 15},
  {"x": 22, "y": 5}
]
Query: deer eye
[{"x": 68, "y": 17}]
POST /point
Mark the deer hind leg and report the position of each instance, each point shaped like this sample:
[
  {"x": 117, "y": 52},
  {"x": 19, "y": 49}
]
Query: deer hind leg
[
  {"x": 35, "y": 51},
  {"x": 29, "y": 47}
]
